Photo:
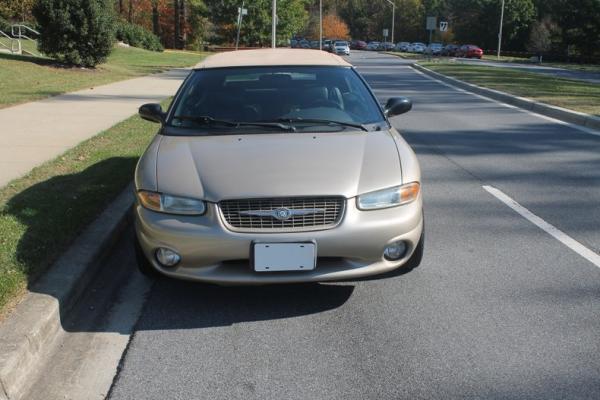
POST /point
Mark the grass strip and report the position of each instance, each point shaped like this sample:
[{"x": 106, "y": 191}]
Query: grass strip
[
  {"x": 26, "y": 78},
  {"x": 43, "y": 212},
  {"x": 567, "y": 93}
]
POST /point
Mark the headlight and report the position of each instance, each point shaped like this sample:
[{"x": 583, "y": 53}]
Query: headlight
[
  {"x": 391, "y": 197},
  {"x": 165, "y": 203}
]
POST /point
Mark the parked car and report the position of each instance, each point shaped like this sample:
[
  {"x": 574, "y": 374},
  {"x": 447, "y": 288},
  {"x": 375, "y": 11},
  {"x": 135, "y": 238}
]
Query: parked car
[
  {"x": 338, "y": 197},
  {"x": 359, "y": 45},
  {"x": 304, "y": 44},
  {"x": 342, "y": 47},
  {"x": 417, "y": 47},
  {"x": 293, "y": 43},
  {"x": 402, "y": 46},
  {"x": 386, "y": 46},
  {"x": 469, "y": 51},
  {"x": 372, "y": 46},
  {"x": 450, "y": 50},
  {"x": 434, "y": 49},
  {"x": 327, "y": 45},
  {"x": 314, "y": 44}
]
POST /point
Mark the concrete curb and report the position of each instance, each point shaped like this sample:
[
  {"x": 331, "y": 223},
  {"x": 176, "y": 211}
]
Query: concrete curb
[
  {"x": 29, "y": 332},
  {"x": 562, "y": 114}
]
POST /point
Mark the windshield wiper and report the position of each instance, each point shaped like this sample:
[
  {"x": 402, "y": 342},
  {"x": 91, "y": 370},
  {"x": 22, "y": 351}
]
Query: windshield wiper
[
  {"x": 205, "y": 119},
  {"x": 323, "y": 122}
]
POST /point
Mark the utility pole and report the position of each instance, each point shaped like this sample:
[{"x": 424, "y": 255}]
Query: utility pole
[
  {"x": 320, "y": 24},
  {"x": 393, "y": 18},
  {"x": 500, "y": 31},
  {"x": 274, "y": 27}
]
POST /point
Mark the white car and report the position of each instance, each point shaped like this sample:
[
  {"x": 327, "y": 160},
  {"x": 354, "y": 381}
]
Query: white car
[
  {"x": 417, "y": 47},
  {"x": 372, "y": 46},
  {"x": 342, "y": 47},
  {"x": 402, "y": 46}
]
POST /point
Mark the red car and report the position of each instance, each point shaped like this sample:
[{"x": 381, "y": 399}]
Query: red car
[
  {"x": 358, "y": 45},
  {"x": 469, "y": 51}
]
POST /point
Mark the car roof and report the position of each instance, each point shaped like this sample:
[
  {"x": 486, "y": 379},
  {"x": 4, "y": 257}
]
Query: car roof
[{"x": 271, "y": 57}]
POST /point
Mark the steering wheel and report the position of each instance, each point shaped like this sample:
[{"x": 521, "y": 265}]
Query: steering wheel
[{"x": 325, "y": 103}]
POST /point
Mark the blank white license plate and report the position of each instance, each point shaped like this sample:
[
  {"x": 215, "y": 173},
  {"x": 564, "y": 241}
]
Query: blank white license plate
[{"x": 269, "y": 257}]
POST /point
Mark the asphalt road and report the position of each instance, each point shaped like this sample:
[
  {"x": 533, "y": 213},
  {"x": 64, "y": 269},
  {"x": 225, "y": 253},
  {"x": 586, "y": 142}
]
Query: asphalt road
[{"x": 499, "y": 308}]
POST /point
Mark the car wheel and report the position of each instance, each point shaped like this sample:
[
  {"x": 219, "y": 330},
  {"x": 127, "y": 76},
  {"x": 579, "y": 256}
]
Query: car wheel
[
  {"x": 143, "y": 263},
  {"x": 415, "y": 260}
]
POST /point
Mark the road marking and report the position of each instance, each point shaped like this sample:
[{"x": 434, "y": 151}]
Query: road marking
[
  {"x": 553, "y": 231},
  {"x": 544, "y": 117}
]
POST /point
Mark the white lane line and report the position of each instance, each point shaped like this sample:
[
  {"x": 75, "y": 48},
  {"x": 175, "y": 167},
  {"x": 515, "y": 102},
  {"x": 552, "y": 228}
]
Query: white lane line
[
  {"x": 553, "y": 231},
  {"x": 544, "y": 117}
]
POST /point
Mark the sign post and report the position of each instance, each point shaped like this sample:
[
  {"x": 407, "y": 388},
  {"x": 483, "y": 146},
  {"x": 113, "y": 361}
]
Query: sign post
[
  {"x": 431, "y": 26},
  {"x": 274, "y": 25},
  {"x": 393, "y": 3},
  {"x": 241, "y": 12},
  {"x": 385, "y": 34},
  {"x": 443, "y": 26}
]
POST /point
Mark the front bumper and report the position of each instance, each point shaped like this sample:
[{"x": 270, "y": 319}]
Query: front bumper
[{"x": 212, "y": 253}]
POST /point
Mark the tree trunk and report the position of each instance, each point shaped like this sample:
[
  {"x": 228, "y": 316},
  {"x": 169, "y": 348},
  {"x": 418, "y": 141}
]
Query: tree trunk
[
  {"x": 120, "y": 7},
  {"x": 155, "y": 18},
  {"x": 177, "y": 22},
  {"x": 130, "y": 15},
  {"x": 182, "y": 21}
]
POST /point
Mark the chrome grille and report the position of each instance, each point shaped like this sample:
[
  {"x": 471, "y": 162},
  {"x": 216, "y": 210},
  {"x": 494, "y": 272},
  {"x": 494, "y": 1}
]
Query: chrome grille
[{"x": 315, "y": 213}]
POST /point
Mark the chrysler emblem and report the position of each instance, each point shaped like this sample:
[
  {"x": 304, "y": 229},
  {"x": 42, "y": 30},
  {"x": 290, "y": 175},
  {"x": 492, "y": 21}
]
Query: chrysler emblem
[{"x": 282, "y": 214}]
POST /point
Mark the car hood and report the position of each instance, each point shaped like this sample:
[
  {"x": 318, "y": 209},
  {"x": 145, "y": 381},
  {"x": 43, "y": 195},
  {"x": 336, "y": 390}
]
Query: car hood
[{"x": 222, "y": 167}]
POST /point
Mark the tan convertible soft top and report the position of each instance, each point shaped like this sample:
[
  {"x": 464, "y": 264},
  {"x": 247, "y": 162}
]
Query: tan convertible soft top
[{"x": 266, "y": 57}]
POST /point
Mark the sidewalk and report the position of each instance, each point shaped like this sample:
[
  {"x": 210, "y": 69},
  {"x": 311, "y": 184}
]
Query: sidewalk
[{"x": 33, "y": 133}]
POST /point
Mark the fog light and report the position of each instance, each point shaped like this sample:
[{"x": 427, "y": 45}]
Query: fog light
[
  {"x": 394, "y": 251},
  {"x": 167, "y": 257}
]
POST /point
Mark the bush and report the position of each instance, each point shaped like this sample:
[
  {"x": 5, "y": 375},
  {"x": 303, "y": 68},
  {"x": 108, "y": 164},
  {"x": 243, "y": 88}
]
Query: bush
[
  {"x": 4, "y": 26},
  {"x": 137, "y": 36},
  {"x": 77, "y": 32}
]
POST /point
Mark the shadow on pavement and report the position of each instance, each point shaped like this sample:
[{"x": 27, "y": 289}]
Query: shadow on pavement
[{"x": 186, "y": 305}]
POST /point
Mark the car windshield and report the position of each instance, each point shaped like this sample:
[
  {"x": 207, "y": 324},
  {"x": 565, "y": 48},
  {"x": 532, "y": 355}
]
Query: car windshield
[
  {"x": 341, "y": 43},
  {"x": 287, "y": 97}
]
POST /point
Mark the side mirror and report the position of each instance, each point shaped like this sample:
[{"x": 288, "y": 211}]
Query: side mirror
[
  {"x": 152, "y": 112},
  {"x": 397, "y": 105}
]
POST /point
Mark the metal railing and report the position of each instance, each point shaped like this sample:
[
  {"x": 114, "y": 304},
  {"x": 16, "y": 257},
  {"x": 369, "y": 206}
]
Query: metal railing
[
  {"x": 18, "y": 29},
  {"x": 22, "y": 32},
  {"x": 14, "y": 45}
]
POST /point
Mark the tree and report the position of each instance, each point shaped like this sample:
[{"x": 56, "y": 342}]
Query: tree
[
  {"x": 366, "y": 19},
  {"x": 578, "y": 20},
  {"x": 16, "y": 10},
  {"x": 334, "y": 27},
  {"x": 540, "y": 38},
  {"x": 78, "y": 32},
  {"x": 477, "y": 22},
  {"x": 256, "y": 30}
]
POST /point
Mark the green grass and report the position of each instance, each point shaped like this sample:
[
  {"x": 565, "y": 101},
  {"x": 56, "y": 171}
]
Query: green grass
[
  {"x": 491, "y": 57},
  {"x": 572, "y": 66},
  {"x": 408, "y": 56},
  {"x": 571, "y": 94},
  {"x": 43, "y": 212},
  {"x": 24, "y": 78}
]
